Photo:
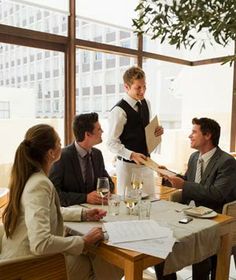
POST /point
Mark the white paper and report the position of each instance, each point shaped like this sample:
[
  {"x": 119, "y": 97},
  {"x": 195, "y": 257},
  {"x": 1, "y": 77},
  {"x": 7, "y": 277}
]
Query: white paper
[
  {"x": 127, "y": 231},
  {"x": 160, "y": 247},
  {"x": 151, "y": 139}
]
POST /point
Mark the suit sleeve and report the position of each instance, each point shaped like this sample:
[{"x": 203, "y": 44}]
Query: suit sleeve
[
  {"x": 57, "y": 176},
  {"x": 218, "y": 187}
]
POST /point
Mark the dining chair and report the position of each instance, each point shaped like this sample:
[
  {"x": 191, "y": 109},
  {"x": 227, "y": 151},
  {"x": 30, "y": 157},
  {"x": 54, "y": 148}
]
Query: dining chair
[
  {"x": 4, "y": 196},
  {"x": 50, "y": 267},
  {"x": 176, "y": 196},
  {"x": 230, "y": 210}
]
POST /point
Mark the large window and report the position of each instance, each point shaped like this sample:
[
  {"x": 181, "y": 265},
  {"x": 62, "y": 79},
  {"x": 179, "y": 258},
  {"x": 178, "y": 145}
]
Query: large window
[
  {"x": 30, "y": 94},
  {"x": 100, "y": 87},
  {"x": 36, "y": 62},
  {"x": 211, "y": 50},
  {"x": 180, "y": 93},
  {"x": 105, "y": 21},
  {"x": 45, "y": 16}
]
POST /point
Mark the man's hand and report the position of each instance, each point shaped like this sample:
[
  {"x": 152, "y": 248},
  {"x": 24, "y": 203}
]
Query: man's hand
[
  {"x": 137, "y": 157},
  {"x": 95, "y": 214},
  {"x": 175, "y": 181},
  {"x": 95, "y": 198},
  {"x": 159, "y": 131}
]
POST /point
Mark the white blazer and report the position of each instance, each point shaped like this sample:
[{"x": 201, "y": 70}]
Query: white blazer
[{"x": 40, "y": 228}]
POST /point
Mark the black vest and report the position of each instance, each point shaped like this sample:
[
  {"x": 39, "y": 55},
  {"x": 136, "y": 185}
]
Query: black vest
[{"x": 133, "y": 135}]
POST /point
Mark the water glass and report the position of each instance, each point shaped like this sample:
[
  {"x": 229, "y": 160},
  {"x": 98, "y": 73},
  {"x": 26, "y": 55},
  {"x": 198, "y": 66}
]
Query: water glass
[
  {"x": 144, "y": 209},
  {"x": 114, "y": 204}
]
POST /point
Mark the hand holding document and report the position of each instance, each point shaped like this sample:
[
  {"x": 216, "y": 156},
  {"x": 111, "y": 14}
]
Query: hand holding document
[
  {"x": 156, "y": 167},
  {"x": 151, "y": 139}
]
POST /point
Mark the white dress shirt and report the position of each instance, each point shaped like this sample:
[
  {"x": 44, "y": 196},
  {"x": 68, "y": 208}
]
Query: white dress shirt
[
  {"x": 117, "y": 120},
  {"x": 206, "y": 158}
]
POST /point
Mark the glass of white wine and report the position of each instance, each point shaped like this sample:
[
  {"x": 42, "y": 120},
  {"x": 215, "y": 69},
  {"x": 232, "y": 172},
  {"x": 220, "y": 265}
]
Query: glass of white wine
[
  {"x": 137, "y": 180},
  {"x": 131, "y": 197},
  {"x": 103, "y": 187}
]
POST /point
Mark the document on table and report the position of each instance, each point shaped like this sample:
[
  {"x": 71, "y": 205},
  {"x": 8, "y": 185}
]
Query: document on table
[
  {"x": 126, "y": 231},
  {"x": 151, "y": 139},
  {"x": 160, "y": 247},
  {"x": 145, "y": 236}
]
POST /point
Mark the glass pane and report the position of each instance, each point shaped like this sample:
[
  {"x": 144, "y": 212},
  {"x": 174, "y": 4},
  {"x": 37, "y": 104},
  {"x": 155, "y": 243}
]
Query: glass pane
[
  {"x": 31, "y": 15},
  {"x": 31, "y": 92},
  {"x": 211, "y": 51},
  {"x": 100, "y": 86},
  {"x": 180, "y": 93},
  {"x": 107, "y": 22}
]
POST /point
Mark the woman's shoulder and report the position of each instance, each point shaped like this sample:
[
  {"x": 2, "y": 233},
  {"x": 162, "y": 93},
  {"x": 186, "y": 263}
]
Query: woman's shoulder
[{"x": 38, "y": 180}]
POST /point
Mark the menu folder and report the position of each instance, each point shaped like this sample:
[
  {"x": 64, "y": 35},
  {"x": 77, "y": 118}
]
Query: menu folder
[{"x": 156, "y": 167}]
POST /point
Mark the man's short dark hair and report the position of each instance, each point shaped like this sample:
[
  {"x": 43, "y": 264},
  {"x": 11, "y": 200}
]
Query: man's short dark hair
[
  {"x": 84, "y": 123},
  {"x": 209, "y": 126}
]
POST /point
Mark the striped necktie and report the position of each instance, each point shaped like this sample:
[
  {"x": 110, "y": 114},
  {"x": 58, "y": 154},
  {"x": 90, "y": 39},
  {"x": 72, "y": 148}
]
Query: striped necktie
[{"x": 199, "y": 170}]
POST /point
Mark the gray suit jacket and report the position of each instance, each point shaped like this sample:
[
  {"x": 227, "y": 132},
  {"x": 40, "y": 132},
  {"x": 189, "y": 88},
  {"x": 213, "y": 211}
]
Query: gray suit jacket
[
  {"x": 66, "y": 176},
  {"x": 218, "y": 183}
]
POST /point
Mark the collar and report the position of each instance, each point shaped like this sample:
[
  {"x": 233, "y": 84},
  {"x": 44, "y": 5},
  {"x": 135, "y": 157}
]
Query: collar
[
  {"x": 207, "y": 156},
  {"x": 132, "y": 102},
  {"x": 81, "y": 151}
]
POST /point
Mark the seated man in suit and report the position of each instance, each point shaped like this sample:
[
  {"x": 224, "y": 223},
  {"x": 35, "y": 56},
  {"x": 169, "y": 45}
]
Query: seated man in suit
[
  {"x": 210, "y": 179},
  {"x": 75, "y": 174}
]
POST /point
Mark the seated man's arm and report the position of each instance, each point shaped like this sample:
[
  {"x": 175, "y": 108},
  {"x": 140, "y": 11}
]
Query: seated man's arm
[
  {"x": 65, "y": 188},
  {"x": 219, "y": 187}
]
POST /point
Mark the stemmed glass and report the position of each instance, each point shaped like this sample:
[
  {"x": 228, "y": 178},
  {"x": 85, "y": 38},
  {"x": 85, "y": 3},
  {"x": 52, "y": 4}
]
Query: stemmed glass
[
  {"x": 137, "y": 180},
  {"x": 103, "y": 187},
  {"x": 131, "y": 197}
]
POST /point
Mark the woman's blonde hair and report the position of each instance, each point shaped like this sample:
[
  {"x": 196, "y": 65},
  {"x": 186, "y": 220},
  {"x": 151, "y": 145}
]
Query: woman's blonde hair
[{"x": 29, "y": 158}]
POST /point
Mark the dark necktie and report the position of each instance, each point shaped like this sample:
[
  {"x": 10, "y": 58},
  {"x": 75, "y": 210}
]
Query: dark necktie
[
  {"x": 140, "y": 112},
  {"x": 88, "y": 172}
]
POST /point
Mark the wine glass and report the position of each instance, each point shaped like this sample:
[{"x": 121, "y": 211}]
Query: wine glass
[
  {"x": 137, "y": 180},
  {"x": 131, "y": 197},
  {"x": 103, "y": 187}
]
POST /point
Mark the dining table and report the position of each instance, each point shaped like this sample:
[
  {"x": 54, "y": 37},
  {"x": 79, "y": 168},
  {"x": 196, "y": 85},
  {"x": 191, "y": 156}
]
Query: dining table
[{"x": 195, "y": 241}]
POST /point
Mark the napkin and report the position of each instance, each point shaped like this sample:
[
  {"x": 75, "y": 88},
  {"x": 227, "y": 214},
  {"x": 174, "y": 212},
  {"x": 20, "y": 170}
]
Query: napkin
[{"x": 198, "y": 211}]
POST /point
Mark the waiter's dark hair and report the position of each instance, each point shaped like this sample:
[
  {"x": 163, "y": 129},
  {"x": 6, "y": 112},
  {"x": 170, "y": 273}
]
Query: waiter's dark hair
[
  {"x": 84, "y": 123},
  {"x": 209, "y": 126}
]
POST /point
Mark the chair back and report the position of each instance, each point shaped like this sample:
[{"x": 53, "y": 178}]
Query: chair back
[
  {"x": 4, "y": 197},
  {"x": 1, "y": 235},
  {"x": 230, "y": 210},
  {"x": 51, "y": 267},
  {"x": 176, "y": 196}
]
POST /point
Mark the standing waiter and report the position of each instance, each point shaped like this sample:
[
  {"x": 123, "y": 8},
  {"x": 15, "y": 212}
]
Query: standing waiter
[{"x": 126, "y": 135}]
